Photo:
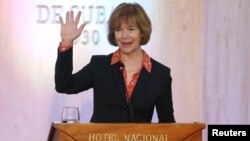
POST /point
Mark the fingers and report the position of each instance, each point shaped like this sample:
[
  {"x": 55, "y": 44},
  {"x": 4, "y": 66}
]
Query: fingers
[
  {"x": 82, "y": 27},
  {"x": 61, "y": 20},
  {"x": 67, "y": 17},
  {"x": 78, "y": 17},
  {"x": 71, "y": 16},
  {"x": 70, "y": 19}
]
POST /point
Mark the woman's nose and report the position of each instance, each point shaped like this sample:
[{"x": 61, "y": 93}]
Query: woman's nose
[{"x": 124, "y": 33}]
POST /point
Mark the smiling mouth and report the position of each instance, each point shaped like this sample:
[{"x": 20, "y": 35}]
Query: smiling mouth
[{"x": 126, "y": 44}]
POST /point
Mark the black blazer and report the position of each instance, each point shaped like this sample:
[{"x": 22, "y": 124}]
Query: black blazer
[{"x": 152, "y": 89}]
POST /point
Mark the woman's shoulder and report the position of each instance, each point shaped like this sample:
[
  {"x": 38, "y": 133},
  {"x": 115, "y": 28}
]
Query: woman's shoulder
[
  {"x": 159, "y": 66},
  {"x": 101, "y": 59},
  {"x": 160, "y": 71}
]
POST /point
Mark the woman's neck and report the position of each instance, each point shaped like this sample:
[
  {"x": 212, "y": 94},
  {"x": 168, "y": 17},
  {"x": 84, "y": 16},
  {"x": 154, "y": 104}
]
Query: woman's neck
[{"x": 132, "y": 61}]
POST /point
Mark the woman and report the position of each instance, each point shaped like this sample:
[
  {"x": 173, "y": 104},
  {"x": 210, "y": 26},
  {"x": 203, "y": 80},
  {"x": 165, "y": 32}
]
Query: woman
[{"x": 127, "y": 84}]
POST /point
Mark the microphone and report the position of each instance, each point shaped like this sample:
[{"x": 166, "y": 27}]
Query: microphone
[{"x": 121, "y": 69}]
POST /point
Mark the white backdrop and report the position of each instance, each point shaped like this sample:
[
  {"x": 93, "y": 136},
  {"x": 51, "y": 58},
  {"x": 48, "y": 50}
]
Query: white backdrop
[{"x": 204, "y": 42}]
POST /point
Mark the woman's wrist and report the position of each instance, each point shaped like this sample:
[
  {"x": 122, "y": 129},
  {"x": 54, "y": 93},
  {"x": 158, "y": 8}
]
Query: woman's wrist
[{"x": 63, "y": 46}]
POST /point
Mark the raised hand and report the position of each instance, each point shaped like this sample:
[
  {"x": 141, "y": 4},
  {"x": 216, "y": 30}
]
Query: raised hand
[{"x": 69, "y": 29}]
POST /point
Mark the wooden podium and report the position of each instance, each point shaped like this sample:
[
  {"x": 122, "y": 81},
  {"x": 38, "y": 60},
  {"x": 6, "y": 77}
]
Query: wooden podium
[{"x": 126, "y": 132}]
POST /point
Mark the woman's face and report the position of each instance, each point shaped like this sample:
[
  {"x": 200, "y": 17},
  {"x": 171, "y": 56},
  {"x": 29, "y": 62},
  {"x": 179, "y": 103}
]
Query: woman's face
[{"x": 128, "y": 38}]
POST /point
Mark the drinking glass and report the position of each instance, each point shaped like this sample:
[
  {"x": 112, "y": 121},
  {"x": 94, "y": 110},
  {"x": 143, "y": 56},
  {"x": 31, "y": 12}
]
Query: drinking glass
[{"x": 70, "y": 115}]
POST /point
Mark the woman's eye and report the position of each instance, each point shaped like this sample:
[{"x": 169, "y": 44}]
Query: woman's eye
[{"x": 117, "y": 29}]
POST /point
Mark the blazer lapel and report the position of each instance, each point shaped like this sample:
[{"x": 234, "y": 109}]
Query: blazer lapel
[
  {"x": 118, "y": 80},
  {"x": 142, "y": 80}
]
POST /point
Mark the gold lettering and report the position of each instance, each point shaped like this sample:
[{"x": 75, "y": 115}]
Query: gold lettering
[
  {"x": 145, "y": 137},
  {"x": 91, "y": 137},
  {"x": 103, "y": 137}
]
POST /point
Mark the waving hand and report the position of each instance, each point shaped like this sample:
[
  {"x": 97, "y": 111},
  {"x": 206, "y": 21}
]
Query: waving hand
[{"x": 69, "y": 28}]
